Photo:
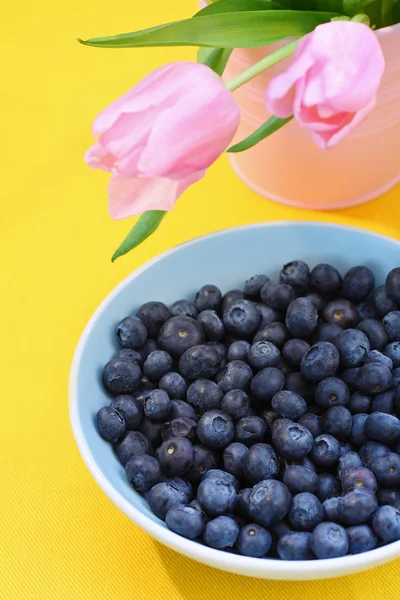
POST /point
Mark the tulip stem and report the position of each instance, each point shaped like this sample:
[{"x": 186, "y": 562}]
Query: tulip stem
[{"x": 262, "y": 65}]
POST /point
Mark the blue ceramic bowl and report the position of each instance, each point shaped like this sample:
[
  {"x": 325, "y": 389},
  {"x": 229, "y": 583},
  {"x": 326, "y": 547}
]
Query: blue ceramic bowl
[{"x": 227, "y": 259}]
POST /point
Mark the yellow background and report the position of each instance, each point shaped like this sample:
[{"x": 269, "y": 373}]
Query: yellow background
[{"x": 60, "y": 536}]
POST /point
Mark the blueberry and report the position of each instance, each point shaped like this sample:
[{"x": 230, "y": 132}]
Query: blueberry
[
  {"x": 277, "y": 295},
  {"x": 294, "y": 350},
  {"x": 358, "y": 478},
  {"x": 387, "y": 470},
  {"x": 361, "y": 539},
  {"x": 208, "y": 298},
  {"x": 326, "y": 279},
  {"x": 237, "y": 375},
  {"x": 179, "y": 427},
  {"x": 143, "y": 472},
  {"x": 252, "y": 287},
  {"x": 393, "y": 352},
  {"x": 185, "y": 521},
  {"x": 357, "y": 507},
  {"x": 111, "y": 423},
  {"x": 145, "y": 386},
  {"x": 157, "y": 405},
  {"x": 387, "y": 496},
  {"x": 320, "y": 362},
  {"x": 157, "y": 364},
  {"x": 176, "y": 456},
  {"x": 384, "y": 402},
  {"x": 250, "y": 430},
  {"x": 236, "y": 404},
  {"x": 295, "y": 382},
  {"x": 200, "y": 362},
  {"x": 238, "y": 351},
  {"x": 295, "y": 545},
  {"x": 242, "y": 318},
  {"x": 131, "y": 332},
  {"x": 393, "y": 285},
  {"x": 372, "y": 450},
  {"x": 331, "y": 509},
  {"x": 266, "y": 383},
  {"x": 358, "y": 435},
  {"x": 332, "y": 392},
  {"x": 360, "y": 403},
  {"x": 377, "y": 357},
  {"x": 391, "y": 323},
  {"x": 215, "y": 429},
  {"x": 121, "y": 376},
  {"x": 289, "y": 405},
  {"x": 317, "y": 299},
  {"x": 229, "y": 299},
  {"x": 396, "y": 373},
  {"x": 383, "y": 304},
  {"x": 151, "y": 430},
  {"x": 242, "y": 504},
  {"x": 386, "y": 523},
  {"x": 375, "y": 332},
  {"x": 346, "y": 447},
  {"x": 130, "y": 409},
  {"x": 263, "y": 354},
  {"x": 254, "y": 541},
  {"x": 132, "y": 444},
  {"x": 130, "y": 355},
  {"x": 349, "y": 376},
  {"x": 269, "y": 502},
  {"x": 183, "y": 410},
  {"x": 296, "y": 274},
  {"x": 261, "y": 462},
  {"x": 306, "y": 512},
  {"x": 221, "y": 532},
  {"x": 204, "y": 459},
  {"x": 383, "y": 428},
  {"x": 277, "y": 333},
  {"x": 329, "y": 540},
  {"x": 338, "y": 422},
  {"x": 353, "y": 346},
  {"x": 233, "y": 458},
  {"x": 174, "y": 385},
  {"x": 326, "y": 332},
  {"x": 312, "y": 422},
  {"x": 300, "y": 479},
  {"x": 204, "y": 395},
  {"x": 325, "y": 451},
  {"x": 163, "y": 495},
  {"x": 216, "y": 496},
  {"x": 224, "y": 476},
  {"x": 148, "y": 347},
  {"x": 184, "y": 308},
  {"x": 222, "y": 351},
  {"x": 366, "y": 309},
  {"x": 328, "y": 487},
  {"x": 291, "y": 440},
  {"x": 348, "y": 461},
  {"x": 153, "y": 315},
  {"x": 358, "y": 283},
  {"x": 268, "y": 315},
  {"x": 178, "y": 334},
  {"x": 212, "y": 325},
  {"x": 301, "y": 317},
  {"x": 342, "y": 313}
]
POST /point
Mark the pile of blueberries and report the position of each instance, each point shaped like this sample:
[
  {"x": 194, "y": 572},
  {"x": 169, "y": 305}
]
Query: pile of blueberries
[{"x": 265, "y": 422}]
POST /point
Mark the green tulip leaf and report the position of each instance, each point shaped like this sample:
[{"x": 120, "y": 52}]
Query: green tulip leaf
[
  {"x": 147, "y": 223},
  {"x": 268, "y": 128},
  {"x": 228, "y": 30},
  {"x": 215, "y": 58}
]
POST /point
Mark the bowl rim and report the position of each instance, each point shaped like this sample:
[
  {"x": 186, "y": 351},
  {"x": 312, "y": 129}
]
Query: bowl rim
[{"x": 255, "y": 567}]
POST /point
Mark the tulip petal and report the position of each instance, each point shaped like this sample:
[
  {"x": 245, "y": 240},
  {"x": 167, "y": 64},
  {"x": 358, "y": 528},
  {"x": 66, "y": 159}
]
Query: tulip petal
[{"x": 132, "y": 196}]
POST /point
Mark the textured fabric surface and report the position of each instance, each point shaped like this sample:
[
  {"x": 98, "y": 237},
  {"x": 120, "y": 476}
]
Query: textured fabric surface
[{"x": 60, "y": 536}]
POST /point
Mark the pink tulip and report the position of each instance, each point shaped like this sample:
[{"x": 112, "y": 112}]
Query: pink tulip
[
  {"x": 331, "y": 86},
  {"x": 161, "y": 137}
]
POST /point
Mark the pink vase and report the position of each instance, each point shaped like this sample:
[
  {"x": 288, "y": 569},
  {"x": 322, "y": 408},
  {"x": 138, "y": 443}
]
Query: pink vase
[{"x": 289, "y": 168}]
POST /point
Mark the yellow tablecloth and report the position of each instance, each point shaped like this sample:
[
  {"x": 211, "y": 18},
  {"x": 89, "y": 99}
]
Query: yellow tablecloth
[{"x": 60, "y": 536}]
